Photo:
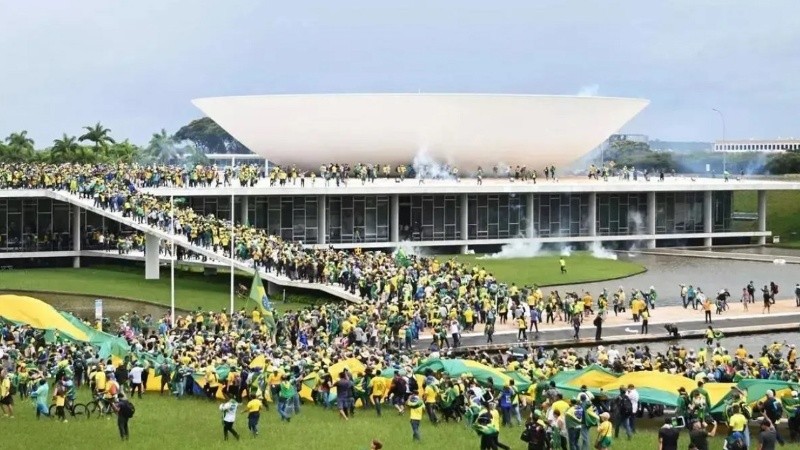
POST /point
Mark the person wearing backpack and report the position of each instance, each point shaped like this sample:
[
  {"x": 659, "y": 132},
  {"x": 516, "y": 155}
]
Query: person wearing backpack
[
  {"x": 535, "y": 432},
  {"x": 622, "y": 407},
  {"x": 773, "y": 409},
  {"x": 125, "y": 411}
]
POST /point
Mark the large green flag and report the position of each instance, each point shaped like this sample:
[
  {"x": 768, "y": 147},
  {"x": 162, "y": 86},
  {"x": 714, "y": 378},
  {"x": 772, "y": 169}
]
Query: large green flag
[
  {"x": 259, "y": 295},
  {"x": 401, "y": 259}
]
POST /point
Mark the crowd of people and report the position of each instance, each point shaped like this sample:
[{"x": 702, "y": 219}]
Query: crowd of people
[{"x": 403, "y": 296}]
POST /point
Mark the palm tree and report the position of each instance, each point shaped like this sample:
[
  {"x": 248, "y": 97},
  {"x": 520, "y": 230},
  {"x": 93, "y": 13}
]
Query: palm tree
[
  {"x": 19, "y": 148},
  {"x": 64, "y": 149},
  {"x": 99, "y": 135},
  {"x": 163, "y": 148},
  {"x": 124, "y": 152}
]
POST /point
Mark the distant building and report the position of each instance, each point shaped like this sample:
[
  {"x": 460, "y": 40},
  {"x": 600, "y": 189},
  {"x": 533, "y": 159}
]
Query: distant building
[
  {"x": 761, "y": 146},
  {"x": 682, "y": 147},
  {"x": 640, "y": 138}
]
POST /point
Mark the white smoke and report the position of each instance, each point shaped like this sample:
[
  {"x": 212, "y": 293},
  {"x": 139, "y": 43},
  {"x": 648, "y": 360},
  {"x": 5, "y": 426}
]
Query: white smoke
[
  {"x": 598, "y": 251},
  {"x": 566, "y": 250},
  {"x": 409, "y": 249},
  {"x": 527, "y": 248},
  {"x": 590, "y": 90},
  {"x": 638, "y": 221},
  {"x": 428, "y": 168}
]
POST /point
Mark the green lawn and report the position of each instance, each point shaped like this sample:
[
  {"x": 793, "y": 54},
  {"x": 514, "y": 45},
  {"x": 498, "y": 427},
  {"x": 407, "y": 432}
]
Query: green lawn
[
  {"x": 167, "y": 423},
  {"x": 783, "y": 213},
  {"x": 582, "y": 267},
  {"x": 192, "y": 289}
]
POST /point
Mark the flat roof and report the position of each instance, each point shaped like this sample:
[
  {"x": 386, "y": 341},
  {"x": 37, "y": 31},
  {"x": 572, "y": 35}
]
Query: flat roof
[{"x": 489, "y": 186}]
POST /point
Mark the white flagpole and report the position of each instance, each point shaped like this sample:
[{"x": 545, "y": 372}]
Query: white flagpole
[
  {"x": 233, "y": 269},
  {"x": 172, "y": 260}
]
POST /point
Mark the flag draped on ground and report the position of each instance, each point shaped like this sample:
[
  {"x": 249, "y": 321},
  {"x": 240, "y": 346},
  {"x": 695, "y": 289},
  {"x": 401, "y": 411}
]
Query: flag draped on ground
[{"x": 259, "y": 295}]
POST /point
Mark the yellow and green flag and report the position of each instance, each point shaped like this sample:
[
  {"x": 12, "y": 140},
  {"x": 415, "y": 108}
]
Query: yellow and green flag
[{"x": 259, "y": 295}]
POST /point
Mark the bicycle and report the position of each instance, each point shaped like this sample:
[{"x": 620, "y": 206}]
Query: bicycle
[
  {"x": 75, "y": 410},
  {"x": 100, "y": 406}
]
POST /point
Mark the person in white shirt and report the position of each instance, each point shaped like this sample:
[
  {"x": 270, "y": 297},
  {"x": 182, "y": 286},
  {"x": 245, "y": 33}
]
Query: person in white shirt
[
  {"x": 228, "y": 418},
  {"x": 455, "y": 332},
  {"x": 613, "y": 354},
  {"x": 633, "y": 395},
  {"x": 135, "y": 375}
]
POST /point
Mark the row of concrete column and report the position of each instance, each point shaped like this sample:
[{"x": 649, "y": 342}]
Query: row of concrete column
[{"x": 152, "y": 242}]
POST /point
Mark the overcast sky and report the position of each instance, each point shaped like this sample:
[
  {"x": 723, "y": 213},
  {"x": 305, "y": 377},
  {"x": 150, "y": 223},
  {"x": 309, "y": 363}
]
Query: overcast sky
[{"x": 135, "y": 65}]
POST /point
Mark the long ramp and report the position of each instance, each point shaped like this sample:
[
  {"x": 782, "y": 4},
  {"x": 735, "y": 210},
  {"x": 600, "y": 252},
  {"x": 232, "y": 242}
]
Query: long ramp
[{"x": 180, "y": 240}]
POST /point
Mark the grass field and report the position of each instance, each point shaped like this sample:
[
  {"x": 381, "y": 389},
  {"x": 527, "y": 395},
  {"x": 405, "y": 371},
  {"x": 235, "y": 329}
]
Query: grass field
[
  {"x": 582, "y": 267},
  {"x": 783, "y": 213},
  {"x": 167, "y": 423},
  {"x": 192, "y": 289}
]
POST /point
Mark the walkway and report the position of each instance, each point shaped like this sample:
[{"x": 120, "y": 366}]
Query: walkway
[
  {"x": 180, "y": 240},
  {"x": 784, "y": 315}
]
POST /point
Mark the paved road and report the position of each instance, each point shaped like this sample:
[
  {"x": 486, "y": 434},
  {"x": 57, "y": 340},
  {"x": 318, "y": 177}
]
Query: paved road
[
  {"x": 550, "y": 336},
  {"x": 666, "y": 273}
]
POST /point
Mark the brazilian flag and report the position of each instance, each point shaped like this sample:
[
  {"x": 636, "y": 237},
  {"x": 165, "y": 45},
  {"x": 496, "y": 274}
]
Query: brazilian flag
[
  {"x": 259, "y": 295},
  {"x": 401, "y": 259}
]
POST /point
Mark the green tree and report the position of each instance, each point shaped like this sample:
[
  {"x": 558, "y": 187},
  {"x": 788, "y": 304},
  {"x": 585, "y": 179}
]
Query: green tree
[
  {"x": 784, "y": 163},
  {"x": 629, "y": 153},
  {"x": 64, "y": 149},
  {"x": 99, "y": 136},
  {"x": 209, "y": 137},
  {"x": 18, "y": 148},
  {"x": 164, "y": 148},
  {"x": 124, "y": 152}
]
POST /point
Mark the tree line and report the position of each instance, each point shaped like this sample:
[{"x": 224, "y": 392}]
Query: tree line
[{"x": 95, "y": 145}]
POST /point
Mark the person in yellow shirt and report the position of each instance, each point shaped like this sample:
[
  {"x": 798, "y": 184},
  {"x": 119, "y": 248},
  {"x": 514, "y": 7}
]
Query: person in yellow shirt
[
  {"x": 430, "y": 394},
  {"x": 6, "y": 399},
  {"x": 377, "y": 386},
  {"x": 212, "y": 382},
  {"x": 253, "y": 411},
  {"x": 415, "y": 409},
  {"x": 100, "y": 381},
  {"x": 603, "y": 441},
  {"x": 60, "y": 396}
]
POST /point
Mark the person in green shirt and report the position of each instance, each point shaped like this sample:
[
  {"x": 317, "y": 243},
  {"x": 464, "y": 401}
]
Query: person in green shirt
[{"x": 286, "y": 394}]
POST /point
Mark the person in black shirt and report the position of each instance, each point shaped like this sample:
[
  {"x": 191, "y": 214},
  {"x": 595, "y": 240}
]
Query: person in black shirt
[
  {"x": 699, "y": 435},
  {"x": 668, "y": 436}
]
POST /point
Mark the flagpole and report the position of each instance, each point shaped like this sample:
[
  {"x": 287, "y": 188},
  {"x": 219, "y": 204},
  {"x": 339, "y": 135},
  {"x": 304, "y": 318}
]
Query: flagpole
[
  {"x": 233, "y": 269},
  {"x": 172, "y": 260}
]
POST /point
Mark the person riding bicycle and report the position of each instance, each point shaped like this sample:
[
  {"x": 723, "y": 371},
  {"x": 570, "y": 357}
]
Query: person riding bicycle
[{"x": 109, "y": 396}]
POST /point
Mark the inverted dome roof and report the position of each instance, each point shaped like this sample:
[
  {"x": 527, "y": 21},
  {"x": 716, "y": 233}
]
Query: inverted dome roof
[{"x": 466, "y": 130}]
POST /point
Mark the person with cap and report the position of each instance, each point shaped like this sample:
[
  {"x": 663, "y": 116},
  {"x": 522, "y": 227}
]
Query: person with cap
[
  {"x": 228, "y": 418},
  {"x": 773, "y": 410},
  {"x": 603, "y": 441},
  {"x": 135, "y": 376},
  {"x": 668, "y": 435},
  {"x": 792, "y": 405},
  {"x": 416, "y": 407}
]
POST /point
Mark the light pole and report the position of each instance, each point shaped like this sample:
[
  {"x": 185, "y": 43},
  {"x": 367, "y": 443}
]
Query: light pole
[{"x": 724, "y": 150}]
